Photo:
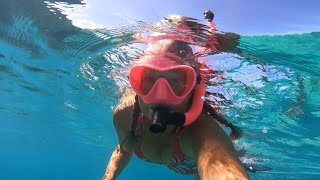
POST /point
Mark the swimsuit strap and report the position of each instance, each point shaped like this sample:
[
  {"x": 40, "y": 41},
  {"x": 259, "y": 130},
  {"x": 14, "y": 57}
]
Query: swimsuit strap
[
  {"x": 138, "y": 133},
  {"x": 138, "y": 130},
  {"x": 180, "y": 162},
  {"x": 177, "y": 151}
]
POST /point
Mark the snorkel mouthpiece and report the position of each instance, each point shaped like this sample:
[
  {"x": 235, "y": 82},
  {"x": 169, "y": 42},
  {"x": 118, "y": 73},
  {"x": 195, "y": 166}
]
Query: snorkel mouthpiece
[
  {"x": 162, "y": 117},
  {"x": 159, "y": 118}
]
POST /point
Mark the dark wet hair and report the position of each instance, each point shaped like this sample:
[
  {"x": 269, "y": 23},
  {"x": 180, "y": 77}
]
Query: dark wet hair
[{"x": 135, "y": 116}]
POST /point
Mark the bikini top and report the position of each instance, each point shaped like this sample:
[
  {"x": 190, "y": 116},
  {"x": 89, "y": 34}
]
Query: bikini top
[{"x": 179, "y": 163}]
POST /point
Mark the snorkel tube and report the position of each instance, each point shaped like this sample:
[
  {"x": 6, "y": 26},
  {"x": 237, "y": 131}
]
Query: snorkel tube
[
  {"x": 162, "y": 117},
  {"x": 208, "y": 15}
]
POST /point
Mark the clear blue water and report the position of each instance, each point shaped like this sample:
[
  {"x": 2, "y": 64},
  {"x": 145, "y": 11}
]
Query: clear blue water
[{"x": 58, "y": 88}]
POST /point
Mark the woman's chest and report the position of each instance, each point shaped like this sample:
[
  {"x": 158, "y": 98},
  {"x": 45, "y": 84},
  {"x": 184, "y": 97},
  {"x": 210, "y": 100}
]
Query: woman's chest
[{"x": 157, "y": 150}]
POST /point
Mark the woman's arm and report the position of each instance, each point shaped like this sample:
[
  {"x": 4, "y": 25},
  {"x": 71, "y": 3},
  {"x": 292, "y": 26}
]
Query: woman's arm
[
  {"x": 228, "y": 42},
  {"x": 216, "y": 157},
  {"x": 117, "y": 163},
  {"x": 125, "y": 149}
]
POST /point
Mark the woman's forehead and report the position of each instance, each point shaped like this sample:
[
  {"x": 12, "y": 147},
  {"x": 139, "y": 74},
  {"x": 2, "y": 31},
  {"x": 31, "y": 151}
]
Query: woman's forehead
[
  {"x": 162, "y": 60},
  {"x": 157, "y": 54},
  {"x": 157, "y": 61}
]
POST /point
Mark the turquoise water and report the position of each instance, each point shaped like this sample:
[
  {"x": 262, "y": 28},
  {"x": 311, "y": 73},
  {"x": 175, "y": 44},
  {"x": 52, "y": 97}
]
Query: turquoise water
[{"x": 58, "y": 88}]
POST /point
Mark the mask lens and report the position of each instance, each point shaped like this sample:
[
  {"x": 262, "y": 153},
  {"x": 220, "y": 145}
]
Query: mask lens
[
  {"x": 148, "y": 78},
  {"x": 177, "y": 79}
]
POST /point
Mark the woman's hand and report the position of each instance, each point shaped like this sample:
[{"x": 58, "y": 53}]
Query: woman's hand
[
  {"x": 216, "y": 157},
  {"x": 222, "y": 171}
]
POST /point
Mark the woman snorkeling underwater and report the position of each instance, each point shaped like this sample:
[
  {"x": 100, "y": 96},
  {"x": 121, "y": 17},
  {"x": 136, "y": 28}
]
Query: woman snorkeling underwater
[{"x": 165, "y": 120}]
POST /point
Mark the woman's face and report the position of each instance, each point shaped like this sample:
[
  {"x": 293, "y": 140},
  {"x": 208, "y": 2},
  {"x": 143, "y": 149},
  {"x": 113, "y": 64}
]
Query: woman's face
[{"x": 176, "y": 78}]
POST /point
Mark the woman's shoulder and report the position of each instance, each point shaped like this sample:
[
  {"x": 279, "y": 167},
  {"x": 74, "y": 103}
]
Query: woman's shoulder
[
  {"x": 205, "y": 125},
  {"x": 205, "y": 129},
  {"x": 204, "y": 119},
  {"x": 122, "y": 115}
]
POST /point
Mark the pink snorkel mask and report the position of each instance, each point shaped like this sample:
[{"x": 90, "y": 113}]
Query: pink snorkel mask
[
  {"x": 163, "y": 81},
  {"x": 152, "y": 85}
]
